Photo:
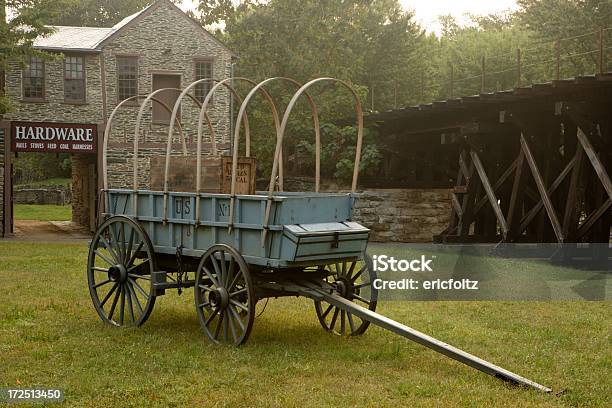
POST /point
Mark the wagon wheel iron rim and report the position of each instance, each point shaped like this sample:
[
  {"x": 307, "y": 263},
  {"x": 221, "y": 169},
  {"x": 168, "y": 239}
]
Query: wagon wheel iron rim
[
  {"x": 224, "y": 296},
  {"x": 119, "y": 270},
  {"x": 353, "y": 281}
]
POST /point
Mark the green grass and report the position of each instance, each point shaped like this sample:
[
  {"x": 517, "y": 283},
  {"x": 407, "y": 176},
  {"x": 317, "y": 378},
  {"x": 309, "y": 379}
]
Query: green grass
[
  {"x": 52, "y": 182},
  {"x": 43, "y": 212},
  {"x": 51, "y": 336}
]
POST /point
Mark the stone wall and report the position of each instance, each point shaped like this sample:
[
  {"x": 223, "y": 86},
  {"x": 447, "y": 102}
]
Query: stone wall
[
  {"x": 83, "y": 190},
  {"x": 403, "y": 215},
  {"x": 54, "y": 196},
  {"x": 165, "y": 43},
  {"x": 53, "y": 108}
]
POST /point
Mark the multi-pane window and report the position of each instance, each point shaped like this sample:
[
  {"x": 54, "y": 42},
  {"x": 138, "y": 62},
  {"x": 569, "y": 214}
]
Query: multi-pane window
[
  {"x": 127, "y": 77},
  {"x": 203, "y": 69},
  {"x": 34, "y": 79},
  {"x": 74, "y": 79}
]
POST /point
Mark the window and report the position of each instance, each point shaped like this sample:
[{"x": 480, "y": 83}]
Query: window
[
  {"x": 74, "y": 79},
  {"x": 203, "y": 69},
  {"x": 127, "y": 77},
  {"x": 34, "y": 79}
]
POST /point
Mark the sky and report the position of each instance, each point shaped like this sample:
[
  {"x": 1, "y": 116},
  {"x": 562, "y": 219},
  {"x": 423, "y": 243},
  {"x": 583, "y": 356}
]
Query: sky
[{"x": 427, "y": 11}]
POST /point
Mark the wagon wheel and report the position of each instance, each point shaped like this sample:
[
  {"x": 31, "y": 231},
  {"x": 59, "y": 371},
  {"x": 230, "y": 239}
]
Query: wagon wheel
[
  {"x": 224, "y": 296},
  {"x": 353, "y": 281},
  {"x": 119, "y": 267}
]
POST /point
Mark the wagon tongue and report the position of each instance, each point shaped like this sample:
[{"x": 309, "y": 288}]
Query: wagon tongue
[{"x": 316, "y": 292}]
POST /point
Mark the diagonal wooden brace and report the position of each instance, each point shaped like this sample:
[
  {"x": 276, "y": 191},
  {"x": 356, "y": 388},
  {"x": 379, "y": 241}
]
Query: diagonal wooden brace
[
  {"x": 550, "y": 210},
  {"x": 490, "y": 192}
]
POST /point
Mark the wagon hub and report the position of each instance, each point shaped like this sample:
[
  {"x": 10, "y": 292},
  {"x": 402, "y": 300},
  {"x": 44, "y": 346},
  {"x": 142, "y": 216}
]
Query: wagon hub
[
  {"x": 117, "y": 273},
  {"x": 344, "y": 287},
  {"x": 219, "y": 298}
]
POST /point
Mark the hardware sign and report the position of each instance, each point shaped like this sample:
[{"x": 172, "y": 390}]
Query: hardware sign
[{"x": 53, "y": 137}]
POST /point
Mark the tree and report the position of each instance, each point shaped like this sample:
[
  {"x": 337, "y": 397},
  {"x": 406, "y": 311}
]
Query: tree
[
  {"x": 97, "y": 13},
  {"x": 373, "y": 44},
  {"x": 17, "y": 35}
]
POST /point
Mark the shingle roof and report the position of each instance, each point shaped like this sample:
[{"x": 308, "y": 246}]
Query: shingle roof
[
  {"x": 67, "y": 38},
  {"x": 73, "y": 38}
]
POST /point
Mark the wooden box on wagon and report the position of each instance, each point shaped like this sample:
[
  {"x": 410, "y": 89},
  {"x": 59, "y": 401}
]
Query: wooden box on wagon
[{"x": 216, "y": 174}]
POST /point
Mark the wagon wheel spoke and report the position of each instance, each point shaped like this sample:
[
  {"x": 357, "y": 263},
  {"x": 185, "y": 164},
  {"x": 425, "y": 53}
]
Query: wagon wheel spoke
[
  {"x": 350, "y": 271},
  {"x": 357, "y": 275},
  {"x": 223, "y": 278},
  {"x": 110, "y": 250},
  {"x": 210, "y": 276},
  {"x": 129, "y": 302},
  {"x": 132, "y": 259},
  {"x": 113, "y": 306},
  {"x": 108, "y": 295},
  {"x": 232, "y": 325},
  {"x": 97, "y": 285},
  {"x": 329, "y": 308},
  {"x": 104, "y": 258},
  {"x": 133, "y": 294},
  {"x": 334, "y": 318},
  {"x": 351, "y": 323},
  {"x": 218, "y": 329},
  {"x": 238, "y": 292},
  {"x": 355, "y": 296},
  {"x": 237, "y": 318}
]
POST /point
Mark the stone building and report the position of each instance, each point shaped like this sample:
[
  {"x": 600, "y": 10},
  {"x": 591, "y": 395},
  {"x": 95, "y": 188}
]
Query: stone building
[{"x": 90, "y": 71}]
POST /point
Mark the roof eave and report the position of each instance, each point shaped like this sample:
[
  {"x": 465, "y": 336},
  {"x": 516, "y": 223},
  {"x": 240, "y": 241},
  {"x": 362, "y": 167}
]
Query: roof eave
[{"x": 64, "y": 49}]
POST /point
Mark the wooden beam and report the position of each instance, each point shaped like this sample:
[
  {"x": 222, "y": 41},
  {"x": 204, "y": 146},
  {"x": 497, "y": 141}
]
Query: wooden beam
[
  {"x": 553, "y": 187},
  {"x": 550, "y": 210},
  {"x": 593, "y": 218},
  {"x": 463, "y": 167},
  {"x": 514, "y": 207},
  {"x": 489, "y": 192},
  {"x": 570, "y": 219},
  {"x": 600, "y": 169},
  {"x": 456, "y": 205},
  {"x": 506, "y": 174},
  {"x": 467, "y": 206}
]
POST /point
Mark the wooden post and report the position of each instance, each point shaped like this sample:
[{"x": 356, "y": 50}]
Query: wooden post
[
  {"x": 558, "y": 58},
  {"x": 518, "y": 67},
  {"x": 395, "y": 95},
  {"x": 482, "y": 75},
  {"x": 372, "y": 93},
  {"x": 601, "y": 51},
  {"x": 422, "y": 95},
  {"x": 452, "y": 80}
]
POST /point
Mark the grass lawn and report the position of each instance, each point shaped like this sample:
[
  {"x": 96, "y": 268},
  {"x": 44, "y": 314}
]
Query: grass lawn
[
  {"x": 51, "y": 336},
  {"x": 43, "y": 212}
]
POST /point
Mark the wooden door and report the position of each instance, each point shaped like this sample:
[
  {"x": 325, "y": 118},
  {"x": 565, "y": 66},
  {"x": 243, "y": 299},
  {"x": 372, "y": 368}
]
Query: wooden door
[{"x": 160, "y": 114}]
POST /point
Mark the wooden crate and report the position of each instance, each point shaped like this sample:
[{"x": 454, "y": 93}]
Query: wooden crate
[
  {"x": 245, "y": 175},
  {"x": 216, "y": 174}
]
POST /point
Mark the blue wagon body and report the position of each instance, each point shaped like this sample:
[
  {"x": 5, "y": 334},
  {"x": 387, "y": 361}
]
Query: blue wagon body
[{"x": 304, "y": 228}]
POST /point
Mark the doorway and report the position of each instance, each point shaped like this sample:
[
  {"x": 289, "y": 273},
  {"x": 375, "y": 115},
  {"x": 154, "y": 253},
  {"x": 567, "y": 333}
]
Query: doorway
[{"x": 160, "y": 114}]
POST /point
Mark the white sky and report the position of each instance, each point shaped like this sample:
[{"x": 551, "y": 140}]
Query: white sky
[{"x": 427, "y": 11}]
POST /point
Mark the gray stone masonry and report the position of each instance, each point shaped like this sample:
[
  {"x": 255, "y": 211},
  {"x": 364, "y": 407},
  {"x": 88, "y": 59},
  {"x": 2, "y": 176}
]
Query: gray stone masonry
[{"x": 403, "y": 215}]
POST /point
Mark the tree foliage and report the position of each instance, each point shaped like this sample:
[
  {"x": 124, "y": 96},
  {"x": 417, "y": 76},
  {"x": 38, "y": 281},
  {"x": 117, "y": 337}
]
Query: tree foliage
[{"x": 97, "y": 13}]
